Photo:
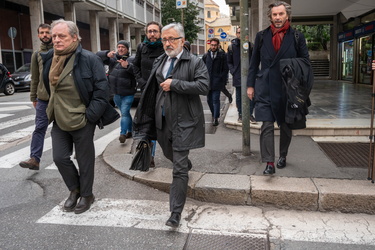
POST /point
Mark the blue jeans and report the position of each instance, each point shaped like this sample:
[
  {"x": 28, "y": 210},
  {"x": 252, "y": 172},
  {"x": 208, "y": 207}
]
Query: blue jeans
[
  {"x": 41, "y": 124},
  {"x": 239, "y": 102},
  {"x": 124, "y": 103},
  {"x": 213, "y": 100}
]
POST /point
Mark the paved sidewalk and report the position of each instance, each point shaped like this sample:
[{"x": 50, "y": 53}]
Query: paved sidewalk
[{"x": 221, "y": 174}]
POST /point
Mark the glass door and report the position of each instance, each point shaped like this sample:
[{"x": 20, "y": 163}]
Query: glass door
[
  {"x": 347, "y": 60},
  {"x": 365, "y": 55}
]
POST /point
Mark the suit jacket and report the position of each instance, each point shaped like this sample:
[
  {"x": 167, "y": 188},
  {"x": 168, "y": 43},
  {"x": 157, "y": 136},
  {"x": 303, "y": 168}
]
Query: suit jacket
[{"x": 270, "y": 98}]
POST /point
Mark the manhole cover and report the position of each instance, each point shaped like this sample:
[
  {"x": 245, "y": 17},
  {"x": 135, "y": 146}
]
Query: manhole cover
[
  {"x": 208, "y": 240},
  {"x": 352, "y": 155}
]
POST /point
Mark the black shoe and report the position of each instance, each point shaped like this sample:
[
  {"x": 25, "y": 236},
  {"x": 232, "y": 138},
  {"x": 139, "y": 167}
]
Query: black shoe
[
  {"x": 84, "y": 204},
  {"x": 281, "y": 163},
  {"x": 269, "y": 170},
  {"x": 71, "y": 202},
  {"x": 174, "y": 220},
  {"x": 216, "y": 122}
]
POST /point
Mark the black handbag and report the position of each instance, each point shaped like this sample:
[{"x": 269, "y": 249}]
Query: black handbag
[{"x": 142, "y": 157}]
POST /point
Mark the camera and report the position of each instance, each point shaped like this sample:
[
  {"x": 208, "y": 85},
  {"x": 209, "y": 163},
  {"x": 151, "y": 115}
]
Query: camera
[{"x": 124, "y": 58}]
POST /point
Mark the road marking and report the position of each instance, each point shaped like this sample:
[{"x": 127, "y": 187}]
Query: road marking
[
  {"x": 16, "y": 103},
  {"x": 15, "y": 108},
  {"x": 142, "y": 214},
  {"x": 3, "y": 116},
  {"x": 16, "y": 121}
]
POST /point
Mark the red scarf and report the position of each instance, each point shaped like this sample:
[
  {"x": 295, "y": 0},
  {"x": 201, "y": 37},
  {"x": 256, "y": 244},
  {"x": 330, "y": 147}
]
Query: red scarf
[{"x": 278, "y": 35}]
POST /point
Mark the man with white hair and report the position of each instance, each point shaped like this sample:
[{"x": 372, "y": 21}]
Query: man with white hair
[{"x": 170, "y": 110}]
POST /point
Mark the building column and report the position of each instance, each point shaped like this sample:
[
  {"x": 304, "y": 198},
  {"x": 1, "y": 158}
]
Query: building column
[
  {"x": 94, "y": 31},
  {"x": 126, "y": 32},
  {"x": 36, "y": 18},
  {"x": 112, "y": 33},
  {"x": 69, "y": 11},
  {"x": 334, "y": 60},
  {"x": 138, "y": 36}
]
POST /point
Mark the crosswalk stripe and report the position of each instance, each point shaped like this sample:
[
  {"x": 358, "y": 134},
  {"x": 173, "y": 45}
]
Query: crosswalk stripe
[
  {"x": 16, "y": 103},
  {"x": 143, "y": 214},
  {"x": 3, "y": 116},
  {"x": 15, "y": 108},
  {"x": 14, "y": 122},
  {"x": 16, "y": 135}
]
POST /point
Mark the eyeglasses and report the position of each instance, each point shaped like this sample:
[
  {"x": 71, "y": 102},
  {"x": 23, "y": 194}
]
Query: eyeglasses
[
  {"x": 153, "y": 31},
  {"x": 170, "y": 40}
]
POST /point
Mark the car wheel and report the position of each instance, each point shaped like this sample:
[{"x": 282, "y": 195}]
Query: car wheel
[{"x": 9, "y": 88}]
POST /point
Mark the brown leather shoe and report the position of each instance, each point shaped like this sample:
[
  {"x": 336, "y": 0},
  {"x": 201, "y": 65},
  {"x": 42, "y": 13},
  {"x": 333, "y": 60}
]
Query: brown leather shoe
[
  {"x": 71, "y": 202},
  {"x": 129, "y": 135},
  {"x": 152, "y": 163},
  {"x": 31, "y": 163},
  {"x": 84, "y": 204},
  {"x": 122, "y": 138}
]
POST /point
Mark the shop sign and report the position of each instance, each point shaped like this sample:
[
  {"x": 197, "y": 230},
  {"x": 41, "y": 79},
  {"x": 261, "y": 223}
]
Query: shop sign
[{"x": 343, "y": 36}]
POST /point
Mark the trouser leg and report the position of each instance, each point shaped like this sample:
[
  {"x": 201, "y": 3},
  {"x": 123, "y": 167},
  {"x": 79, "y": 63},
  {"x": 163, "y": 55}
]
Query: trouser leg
[
  {"x": 41, "y": 125},
  {"x": 267, "y": 142},
  {"x": 210, "y": 102},
  {"x": 238, "y": 100},
  {"x": 285, "y": 139},
  {"x": 216, "y": 103}
]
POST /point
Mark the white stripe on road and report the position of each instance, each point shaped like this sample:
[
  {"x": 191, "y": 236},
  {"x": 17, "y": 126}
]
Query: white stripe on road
[
  {"x": 100, "y": 145},
  {"x": 16, "y": 121},
  {"x": 16, "y": 103},
  {"x": 3, "y": 116},
  {"x": 15, "y": 108},
  {"x": 144, "y": 214}
]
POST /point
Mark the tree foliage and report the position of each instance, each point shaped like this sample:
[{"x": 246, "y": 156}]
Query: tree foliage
[
  {"x": 171, "y": 14},
  {"x": 317, "y": 36}
]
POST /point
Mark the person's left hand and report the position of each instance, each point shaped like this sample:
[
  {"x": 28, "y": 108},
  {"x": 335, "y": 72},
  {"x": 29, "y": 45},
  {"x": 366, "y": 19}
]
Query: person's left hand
[
  {"x": 123, "y": 63},
  {"x": 166, "y": 85}
]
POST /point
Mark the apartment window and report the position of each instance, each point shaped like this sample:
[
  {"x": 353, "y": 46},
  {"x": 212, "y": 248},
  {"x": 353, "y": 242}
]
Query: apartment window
[
  {"x": 208, "y": 14},
  {"x": 140, "y": 2},
  {"x": 220, "y": 30}
]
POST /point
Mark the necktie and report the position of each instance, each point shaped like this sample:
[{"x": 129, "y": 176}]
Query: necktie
[{"x": 171, "y": 67}]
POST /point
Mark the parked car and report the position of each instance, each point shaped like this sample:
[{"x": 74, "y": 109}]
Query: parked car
[
  {"x": 22, "y": 77},
  {"x": 6, "y": 83}
]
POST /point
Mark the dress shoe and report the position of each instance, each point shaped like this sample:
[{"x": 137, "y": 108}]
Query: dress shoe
[
  {"x": 239, "y": 119},
  {"x": 269, "y": 170},
  {"x": 252, "y": 119},
  {"x": 281, "y": 163},
  {"x": 129, "y": 135},
  {"x": 216, "y": 122},
  {"x": 31, "y": 163},
  {"x": 122, "y": 138},
  {"x": 71, "y": 202},
  {"x": 84, "y": 204},
  {"x": 152, "y": 163},
  {"x": 174, "y": 220}
]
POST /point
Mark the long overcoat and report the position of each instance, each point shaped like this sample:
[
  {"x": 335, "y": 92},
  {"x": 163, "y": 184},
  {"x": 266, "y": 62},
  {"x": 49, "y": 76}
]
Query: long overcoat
[
  {"x": 190, "y": 80},
  {"x": 270, "y": 96}
]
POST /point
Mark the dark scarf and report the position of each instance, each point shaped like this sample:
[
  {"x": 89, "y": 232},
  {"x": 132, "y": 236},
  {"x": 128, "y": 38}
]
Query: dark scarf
[
  {"x": 156, "y": 44},
  {"x": 46, "y": 47},
  {"x": 278, "y": 35}
]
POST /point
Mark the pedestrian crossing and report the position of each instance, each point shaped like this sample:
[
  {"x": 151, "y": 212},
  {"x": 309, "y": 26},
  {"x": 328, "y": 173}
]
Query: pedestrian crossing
[{"x": 21, "y": 134}]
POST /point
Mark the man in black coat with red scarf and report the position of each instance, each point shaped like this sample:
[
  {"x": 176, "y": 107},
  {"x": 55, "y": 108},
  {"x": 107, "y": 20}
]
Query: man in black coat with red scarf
[{"x": 265, "y": 84}]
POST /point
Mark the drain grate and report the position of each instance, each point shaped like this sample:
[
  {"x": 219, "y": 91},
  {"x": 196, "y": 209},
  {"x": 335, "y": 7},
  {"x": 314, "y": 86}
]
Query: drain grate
[
  {"x": 352, "y": 155},
  {"x": 203, "y": 239}
]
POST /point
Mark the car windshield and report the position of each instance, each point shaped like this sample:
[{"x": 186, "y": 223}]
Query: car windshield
[{"x": 23, "y": 68}]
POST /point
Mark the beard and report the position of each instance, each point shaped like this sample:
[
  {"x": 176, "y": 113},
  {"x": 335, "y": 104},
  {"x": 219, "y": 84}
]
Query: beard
[{"x": 174, "y": 52}]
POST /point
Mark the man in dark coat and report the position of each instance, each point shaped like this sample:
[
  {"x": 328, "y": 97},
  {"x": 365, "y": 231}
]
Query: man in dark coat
[
  {"x": 265, "y": 85},
  {"x": 171, "y": 110},
  {"x": 216, "y": 62},
  {"x": 234, "y": 64},
  {"x": 147, "y": 52},
  {"x": 122, "y": 84}
]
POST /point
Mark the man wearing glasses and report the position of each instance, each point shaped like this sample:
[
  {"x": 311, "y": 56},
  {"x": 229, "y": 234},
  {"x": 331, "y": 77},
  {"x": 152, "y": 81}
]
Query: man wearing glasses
[
  {"x": 147, "y": 52},
  {"x": 170, "y": 110}
]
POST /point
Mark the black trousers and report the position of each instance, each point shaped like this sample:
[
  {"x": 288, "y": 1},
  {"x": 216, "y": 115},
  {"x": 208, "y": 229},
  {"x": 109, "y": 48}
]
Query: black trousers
[
  {"x": 267, "y": 141},
  {"x": 181, "y": 166},
  {"x": 62, "y": 149}
]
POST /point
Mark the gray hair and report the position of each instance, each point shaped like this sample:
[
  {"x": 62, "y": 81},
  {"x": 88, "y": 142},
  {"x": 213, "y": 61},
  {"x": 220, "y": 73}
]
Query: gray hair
[
  {"x": 72, "y": 27},
  {"x": 287, "y": 6},
  {"x": 177, "y": 27}
]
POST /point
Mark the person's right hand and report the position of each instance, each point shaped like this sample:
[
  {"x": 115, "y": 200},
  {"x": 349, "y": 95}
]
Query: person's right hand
[
  {"x": 250, "y": 93},
  {"x": 34, "y": 104},
  {"x": 111, "y": 54}
]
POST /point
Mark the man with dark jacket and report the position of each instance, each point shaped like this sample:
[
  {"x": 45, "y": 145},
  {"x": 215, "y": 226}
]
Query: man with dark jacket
[
  {"x": 78, "y": 99},
  {"x": 170, "y": 110},
  {"x": 216, "y": 62},
  {"x": 265, "y": 84},
  {"x": 122, "y": 84},
  {"x": 39, "y": 97},
  {"x": 147, "y": 52},
  {"x": 234, "y": 64}
]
